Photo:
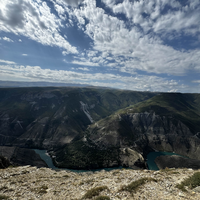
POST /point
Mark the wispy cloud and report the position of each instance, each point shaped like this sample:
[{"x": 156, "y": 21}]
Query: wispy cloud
[
  {"x": 7, "y": 39},
  {"x": 196, "y": 81},
  {"x": 7, "y": 62},
  {"x": 84, "y": 63},
  {"x": 138, "y": 82},
  {"x": 83, "y": 69},
  {"x": 34, "y": 20},
  {"x": 133, "y": 49}
]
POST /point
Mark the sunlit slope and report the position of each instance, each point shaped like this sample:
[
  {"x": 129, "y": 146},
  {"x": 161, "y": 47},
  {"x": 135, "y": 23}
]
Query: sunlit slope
[{"x": 183, "y": 107}]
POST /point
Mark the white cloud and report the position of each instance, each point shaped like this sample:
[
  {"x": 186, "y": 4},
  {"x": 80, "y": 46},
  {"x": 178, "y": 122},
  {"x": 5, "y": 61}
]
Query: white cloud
[
  {"x": 20, "y": 40},
  {"x": 109, "y": 3},
  {"x": 92, "y": 53},
  {"x": 73, "y": 3},
  {"x": 84, "y": 63},
  {"x": 152, "y": 14},
  {"x": 196, "y": 81},
  {"x": 24, "y": 54},
  {"x": 7, "y": 62},
  {"x": 83, "y": 68},
  {"x": 7, "y": 39},
  {"x": 34, "y": 20},
  {"x": 64, "y": 53},
  {"x": 133, "y": 49},
  {"x": 138, "y": 82}
]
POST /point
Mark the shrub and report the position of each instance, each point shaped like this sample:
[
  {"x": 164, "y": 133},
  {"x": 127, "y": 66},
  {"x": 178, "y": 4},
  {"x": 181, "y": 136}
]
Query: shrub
[
  {"x": 3, "y": 197},
  {"x": 102, "y": 198},
  {"x": 132, "y": 187},
  {"x": 40, "y": 190},
  {"x": 191, "y": 182},
  {"x": 94, "y": 192}
]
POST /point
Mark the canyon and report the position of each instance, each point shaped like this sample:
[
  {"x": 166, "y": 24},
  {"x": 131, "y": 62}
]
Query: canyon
[{"x": 91, "y": 128}]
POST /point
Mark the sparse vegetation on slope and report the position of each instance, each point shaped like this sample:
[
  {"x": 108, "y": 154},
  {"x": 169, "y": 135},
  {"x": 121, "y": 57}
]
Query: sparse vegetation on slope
[
  {"x": 2, "y": 197},
  {"x": 94, "y": 192},
  {"x": 133, "y": 186},
  {"x": 102, "y": 198},
  {"x": 191, "y": 182}
]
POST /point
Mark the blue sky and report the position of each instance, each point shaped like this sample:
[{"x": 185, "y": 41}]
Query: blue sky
[{"x": 145, "y": 45}]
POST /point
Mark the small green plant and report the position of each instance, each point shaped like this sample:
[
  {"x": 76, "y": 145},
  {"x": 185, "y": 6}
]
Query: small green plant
[
  {"x": 43, "y": 189},
  {"x": 40, "y": 190},
  {"x": 190, "y": 182},
  {"x": 169, "y": 171},
  {"x": 94, "y": 192},
  {"x": 102, "y": 198},
  {"x": 116, "y": 173},
  {"x": 2, "y": 197},
  {"x": 86, "y": 181},
  {"x": 132, "y": 187},
  {"x": 166, "y": 170}
]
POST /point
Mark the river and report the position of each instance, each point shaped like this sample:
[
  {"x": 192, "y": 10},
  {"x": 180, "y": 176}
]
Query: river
[
  {"x": 152, "y": 156},
  {"x": 44, "y": 156},
  {"x": 150, "y": 161}
]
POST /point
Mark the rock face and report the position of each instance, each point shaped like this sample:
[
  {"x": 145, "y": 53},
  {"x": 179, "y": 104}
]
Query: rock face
[
  {"x": 20, "y": 156},
  {"x": 128, "y": 138},
  {"x": 52, "y": 117},
  {"x": 4, "y": 162},
  {"x": 166, "y": 122},
  {"x": 44, "y": 184},
  {"x": 175, "y": 161}
]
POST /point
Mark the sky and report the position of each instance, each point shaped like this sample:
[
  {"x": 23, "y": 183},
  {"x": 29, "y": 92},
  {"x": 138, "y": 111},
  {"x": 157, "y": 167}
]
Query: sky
[{"x": 143, "y": 45}]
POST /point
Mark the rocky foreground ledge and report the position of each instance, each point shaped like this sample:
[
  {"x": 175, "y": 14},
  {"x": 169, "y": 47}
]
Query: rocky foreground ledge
[{"x": 43, "y": 183}]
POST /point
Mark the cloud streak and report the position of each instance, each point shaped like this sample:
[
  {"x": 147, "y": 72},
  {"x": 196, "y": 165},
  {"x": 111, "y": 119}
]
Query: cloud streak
[{"x": 138, "y": 82}]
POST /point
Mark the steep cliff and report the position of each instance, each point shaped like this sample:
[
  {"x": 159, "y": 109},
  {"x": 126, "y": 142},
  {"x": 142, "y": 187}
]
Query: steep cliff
[
  {"x": 48, "y": 117},
  {"x": 20, "y": 156},
  {"x": 167, "y": 122}
]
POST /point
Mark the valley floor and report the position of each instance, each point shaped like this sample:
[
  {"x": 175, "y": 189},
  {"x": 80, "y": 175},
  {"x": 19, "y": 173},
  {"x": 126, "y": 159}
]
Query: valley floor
[{"x": 43, "y": 183}]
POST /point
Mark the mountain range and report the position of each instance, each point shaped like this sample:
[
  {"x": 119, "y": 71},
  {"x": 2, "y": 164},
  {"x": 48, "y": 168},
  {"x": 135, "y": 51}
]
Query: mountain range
[{"x": 90, "y": 127}]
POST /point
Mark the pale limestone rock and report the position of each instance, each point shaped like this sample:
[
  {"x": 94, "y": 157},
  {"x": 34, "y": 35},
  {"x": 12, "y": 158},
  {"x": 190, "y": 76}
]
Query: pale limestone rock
[{"x": 45, "y": 184}]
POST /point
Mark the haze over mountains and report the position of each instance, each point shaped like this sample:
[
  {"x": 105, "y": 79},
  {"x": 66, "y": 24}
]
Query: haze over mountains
[
  {"x": 86, "y": 128},
  {"x": 5, "y": 84}
]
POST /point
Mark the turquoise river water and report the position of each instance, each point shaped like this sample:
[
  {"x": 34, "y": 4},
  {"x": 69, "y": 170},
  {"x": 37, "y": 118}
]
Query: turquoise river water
[{"x": 150, "y": 160}]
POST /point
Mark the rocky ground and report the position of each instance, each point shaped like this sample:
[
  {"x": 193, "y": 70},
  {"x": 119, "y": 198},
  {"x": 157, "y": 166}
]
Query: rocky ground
[{"x": 43, "y": 183}]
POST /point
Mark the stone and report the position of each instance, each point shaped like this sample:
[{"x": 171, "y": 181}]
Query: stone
[{"x": 197, "y": 189}]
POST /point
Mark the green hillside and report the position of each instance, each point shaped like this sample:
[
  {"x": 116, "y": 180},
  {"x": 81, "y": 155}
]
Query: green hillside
[
  {"x": 165, "y": 122},
  {"x": 183, "y": 107}
]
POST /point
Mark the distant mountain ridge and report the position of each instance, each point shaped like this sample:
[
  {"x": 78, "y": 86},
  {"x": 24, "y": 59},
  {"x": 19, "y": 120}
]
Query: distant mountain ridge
[{"x": 11, "y": 84}]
